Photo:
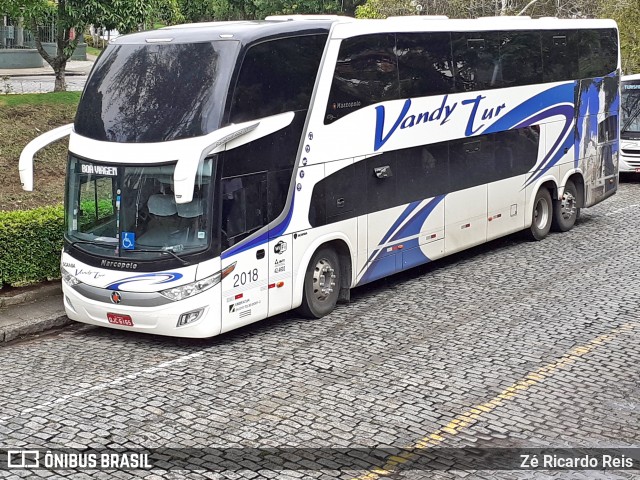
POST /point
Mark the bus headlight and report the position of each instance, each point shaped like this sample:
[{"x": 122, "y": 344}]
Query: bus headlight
[
  {"x": 68, "y": 278},
  {"x": 194, "y": 288}
]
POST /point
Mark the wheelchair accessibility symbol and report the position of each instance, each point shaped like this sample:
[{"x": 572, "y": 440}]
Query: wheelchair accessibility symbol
[{"x": 128, "y": 241}]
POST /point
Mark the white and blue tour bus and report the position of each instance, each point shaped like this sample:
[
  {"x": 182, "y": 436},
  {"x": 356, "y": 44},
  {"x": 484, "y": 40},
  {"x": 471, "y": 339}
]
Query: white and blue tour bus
[
  {"x": 222, "y": 173},
  {"x": 630, "y": 124}
]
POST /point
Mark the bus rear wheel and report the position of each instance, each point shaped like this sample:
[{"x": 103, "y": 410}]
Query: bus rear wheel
[
  {"x": 542, "y": 215},
  {"x": 321, "y": 284},
  {"x": 565, "y": 210}
]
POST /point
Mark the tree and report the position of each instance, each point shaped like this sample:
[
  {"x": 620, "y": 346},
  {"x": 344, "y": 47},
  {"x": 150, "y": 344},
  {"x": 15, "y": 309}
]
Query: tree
[
  {"x": 626, "y": 13},
  {"x": 71, "y": 16},
  {"x": 68, "y": 16}
]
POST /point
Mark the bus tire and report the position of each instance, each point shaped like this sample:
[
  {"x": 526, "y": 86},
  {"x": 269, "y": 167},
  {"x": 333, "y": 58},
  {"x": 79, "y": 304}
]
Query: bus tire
[
  {"x": 565, "y": 210},
  {"x": 541, "y": 216},
  {"x": 321, "y": 284}
]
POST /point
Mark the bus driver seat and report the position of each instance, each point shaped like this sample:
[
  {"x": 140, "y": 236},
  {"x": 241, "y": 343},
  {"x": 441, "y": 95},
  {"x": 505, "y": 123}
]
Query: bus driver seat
[{"x": 163, "y": 222}]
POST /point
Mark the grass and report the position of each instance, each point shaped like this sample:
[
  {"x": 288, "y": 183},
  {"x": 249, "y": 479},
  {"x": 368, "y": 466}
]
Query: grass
[
  {"x": 53, "y": 98},
  {"x": 93, "y": 51},
  {"x": 22, "y": 118}
]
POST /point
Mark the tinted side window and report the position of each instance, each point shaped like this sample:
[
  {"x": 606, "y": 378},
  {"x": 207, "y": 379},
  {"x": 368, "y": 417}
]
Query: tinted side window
[
  {"x": 277, "y": 76},
  {"x": 609, "y": 48},
  {"x": 559, "y": 55},
  {"x": 381, "y": 190},
  {"x": 275, "y": 153},
  {"x": 424, "y": 172},
  {"x": 244, "y": 201},
  {"x": 425, "y": 65},
  {"x": 597, "y": 53},
  {"x": 471, "y": 161},
  {"x": 521, "y": 62},
  {"x": 366, "y": 73},
  {"x": 477, "y": 60},
  {"x": 608, "y": 129}
]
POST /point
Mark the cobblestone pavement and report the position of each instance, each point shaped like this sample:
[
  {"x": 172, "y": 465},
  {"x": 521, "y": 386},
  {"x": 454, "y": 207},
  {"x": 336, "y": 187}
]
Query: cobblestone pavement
[
  {"x": 40, "y": 84},
  {"x": 512, "y": 344}
]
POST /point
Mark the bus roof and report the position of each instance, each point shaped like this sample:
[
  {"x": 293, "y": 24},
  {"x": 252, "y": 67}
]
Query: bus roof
[
  {"x": 278, "y": 26},
  {"x": 245, "y": 31}
]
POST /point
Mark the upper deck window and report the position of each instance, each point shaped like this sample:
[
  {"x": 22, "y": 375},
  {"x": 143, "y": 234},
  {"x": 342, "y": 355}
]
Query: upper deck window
[
  {"x": 156, "y": 92},
  {"x": 277, "y": 76},
  {"x": 366, "y": 73}
]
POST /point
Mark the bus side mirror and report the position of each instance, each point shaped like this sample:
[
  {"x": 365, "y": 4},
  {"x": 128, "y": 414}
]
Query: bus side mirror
[{"x": 25, "y": 165}]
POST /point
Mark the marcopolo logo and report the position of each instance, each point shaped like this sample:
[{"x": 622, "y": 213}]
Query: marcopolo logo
[{"x": 112, "y": 264}]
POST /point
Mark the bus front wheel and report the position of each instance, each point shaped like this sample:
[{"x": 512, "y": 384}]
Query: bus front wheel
[
  {"x": 321, "y": 284},
  {"x": 565, "y": 210},
  {"x": 542, "y": 215}
]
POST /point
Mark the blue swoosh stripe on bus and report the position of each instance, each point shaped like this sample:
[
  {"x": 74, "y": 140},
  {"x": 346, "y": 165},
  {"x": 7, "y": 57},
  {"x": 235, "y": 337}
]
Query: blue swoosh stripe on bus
[
  {"x": 164, "y": 277},
  {"x": 528, "y": 113},
  {"x": 519, "y": 115},
  {"x": 407, "y": 211},
  {"x": 556, "y": 152},
  {"x": 381, "y": 267},
  {"x": 413, "y": 226},
  {"x": 264, "y": 237}
]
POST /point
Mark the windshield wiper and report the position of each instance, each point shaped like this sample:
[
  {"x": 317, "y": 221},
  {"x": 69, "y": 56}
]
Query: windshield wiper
[
  {"x": 115, "y": 245},
  {"x": 170, "y": 252},
  {"x": 629, "y": 121},
  {"x": 94, "y": 243}
]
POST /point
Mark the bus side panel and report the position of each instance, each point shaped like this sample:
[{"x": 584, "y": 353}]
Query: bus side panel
[
  {"x": 505, "y": 201},
  {"x": 431, "y": 237},
  {"x": 596, "y": 142},
  {"x": 465, "y": 218}
]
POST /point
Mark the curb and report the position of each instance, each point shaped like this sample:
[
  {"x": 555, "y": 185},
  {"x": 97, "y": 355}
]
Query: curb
[
  {"x": 36, "y": 310},
  {"x": 30, "y": 327},
  {"x": 32, "y": 295}
]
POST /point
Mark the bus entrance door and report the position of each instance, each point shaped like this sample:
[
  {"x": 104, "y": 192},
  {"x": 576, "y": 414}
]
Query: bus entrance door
[{"x": 244, "y": 291}]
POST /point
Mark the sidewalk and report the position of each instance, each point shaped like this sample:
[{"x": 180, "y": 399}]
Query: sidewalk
[
  {"x": 31, "y": 311},
  {"x": 73, "y": 68}
]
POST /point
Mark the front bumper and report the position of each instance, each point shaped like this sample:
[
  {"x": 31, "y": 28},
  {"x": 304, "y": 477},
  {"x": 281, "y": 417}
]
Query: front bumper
[{"x": 158, "y": 320}]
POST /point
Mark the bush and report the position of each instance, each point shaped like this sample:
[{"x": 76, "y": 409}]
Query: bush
[{"x": 31, "y": 244}]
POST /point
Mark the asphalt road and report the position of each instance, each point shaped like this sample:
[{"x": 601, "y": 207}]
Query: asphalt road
[{"x": 510, "y": 345}]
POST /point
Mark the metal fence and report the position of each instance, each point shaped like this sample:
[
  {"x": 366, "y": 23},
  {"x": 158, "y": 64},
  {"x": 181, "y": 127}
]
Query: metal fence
[{"x": 18, "y": 37}]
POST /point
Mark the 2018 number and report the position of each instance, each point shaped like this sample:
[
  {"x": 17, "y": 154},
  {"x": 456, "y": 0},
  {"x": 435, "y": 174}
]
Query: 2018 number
[{"x": 245, "y": 277}]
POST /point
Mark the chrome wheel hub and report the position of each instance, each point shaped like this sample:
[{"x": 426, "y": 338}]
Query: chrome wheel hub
[
  {"x": 568, "y": 206},
  {"x": 324, "y": 279}
]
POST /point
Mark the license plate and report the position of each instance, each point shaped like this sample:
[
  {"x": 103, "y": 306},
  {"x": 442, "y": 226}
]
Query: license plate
[{"x": 118, "y": 319}]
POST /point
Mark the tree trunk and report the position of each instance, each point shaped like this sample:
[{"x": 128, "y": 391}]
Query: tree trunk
[
  {"x": 61, "y": 84},
  {"x": 64, "y": 47}
]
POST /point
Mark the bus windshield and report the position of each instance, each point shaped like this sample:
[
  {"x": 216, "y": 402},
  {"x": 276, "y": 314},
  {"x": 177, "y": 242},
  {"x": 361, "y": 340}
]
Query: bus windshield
[
  {"x": 630, "y": 109},
  {"x": 130, "y": 211},
  {"x": 156, "y": 92}
]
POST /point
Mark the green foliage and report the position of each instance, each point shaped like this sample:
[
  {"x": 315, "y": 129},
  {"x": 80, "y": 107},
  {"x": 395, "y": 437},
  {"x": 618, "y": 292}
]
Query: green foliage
[
  {"x": 31, "y": 243},
  {"x": 385, "y": 8},
  {"x": 259, "y": 9},
  {"x": 627, "y": 15}
]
